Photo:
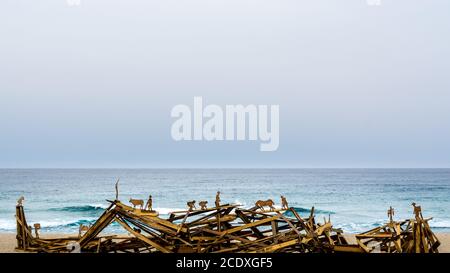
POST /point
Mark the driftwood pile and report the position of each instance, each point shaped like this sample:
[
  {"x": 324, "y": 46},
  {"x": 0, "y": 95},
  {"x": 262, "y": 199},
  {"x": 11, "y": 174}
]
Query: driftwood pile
[
  {"x": 228, "y": 229},
  {"x": 408, "y": 236}
]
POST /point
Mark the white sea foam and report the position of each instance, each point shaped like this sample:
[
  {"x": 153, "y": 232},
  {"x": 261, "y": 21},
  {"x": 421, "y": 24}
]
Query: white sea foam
[
  {"x": 164, "y": 211},
  {"x": 98, "y": 205},
  {"x": 7, "y": 224},
  {"x": 60, "y": 223},
  {"x": 240, "y": 203},
  {"x": 438, "y": 223},
  {"x": 352, "y": 227}
]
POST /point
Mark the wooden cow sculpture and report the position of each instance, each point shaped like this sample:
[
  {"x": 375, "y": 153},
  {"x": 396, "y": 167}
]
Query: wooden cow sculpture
[
  {"x": 261, "y": 204},
  {"x": 137, "y": 202}
]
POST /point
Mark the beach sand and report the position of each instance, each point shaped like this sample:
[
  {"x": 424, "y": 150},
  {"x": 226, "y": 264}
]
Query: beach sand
[
  {"x": 8, "y": 241},
  {"x": 444, "y": 238}
]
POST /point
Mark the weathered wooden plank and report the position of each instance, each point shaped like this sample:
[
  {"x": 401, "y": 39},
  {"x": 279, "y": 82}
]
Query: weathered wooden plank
[{"x": 143, "y": 238}]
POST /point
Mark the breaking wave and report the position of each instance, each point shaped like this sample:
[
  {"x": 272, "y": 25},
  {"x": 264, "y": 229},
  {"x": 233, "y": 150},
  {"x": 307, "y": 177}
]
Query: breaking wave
[
  {"x": 101, "y": 208},
  {"x": 439, "y": 223},
  {"x": 166, "y": 211},
  {"x": 86, "y": 208},
  {"x": 6, "y": 224},
  {"x": 66, "y": 223},
  {"x": 73, "y": 224},
  {"x": 305, "y": 212}
]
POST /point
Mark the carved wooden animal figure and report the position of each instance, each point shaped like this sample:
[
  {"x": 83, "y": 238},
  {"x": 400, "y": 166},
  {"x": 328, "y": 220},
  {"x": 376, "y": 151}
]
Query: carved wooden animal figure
[
  {"x": 137, "y": 202},
  {"x": 81, "y": 229},
  {"x": 191, "y": 205},
  {"x": 202, "y": 205},
  {"x": 20, "y": 201},
  {"x": 261, "y": 204}
]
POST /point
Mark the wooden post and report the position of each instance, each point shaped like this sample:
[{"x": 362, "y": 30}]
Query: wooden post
[{"x": 275, "y": 231}]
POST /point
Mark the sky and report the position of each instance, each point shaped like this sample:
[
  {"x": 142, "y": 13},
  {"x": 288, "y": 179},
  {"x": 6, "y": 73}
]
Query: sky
[{"x": 93, "y": 85}]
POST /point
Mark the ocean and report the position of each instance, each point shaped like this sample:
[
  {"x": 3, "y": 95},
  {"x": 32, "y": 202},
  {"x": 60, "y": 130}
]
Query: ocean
[{"x": 355, "y": 199}]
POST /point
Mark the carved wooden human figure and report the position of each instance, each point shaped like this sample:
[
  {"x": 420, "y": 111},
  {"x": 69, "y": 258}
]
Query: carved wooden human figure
[
  {"x": 81, "y": 229},
  {"x": 284, "y": 203},
  {"x": 37, "y": 227},
  {"x": 417, "y": 211},
  {"x": 149, "y": 205},
  {"x": 202, "y": 205},
  {"x": 218, "y": 199},
  {"x": 390, "y": 214},
  {"x": 137, "y": 202},
  {"x": 20, "y": 201},
  {"x": 191, "y": 205},
  {"x": 117, "y": 189}
]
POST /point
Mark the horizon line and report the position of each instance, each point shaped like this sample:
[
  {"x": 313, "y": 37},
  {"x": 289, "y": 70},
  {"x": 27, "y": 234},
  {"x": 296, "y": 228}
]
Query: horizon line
[{"x": 200, "y": 167}]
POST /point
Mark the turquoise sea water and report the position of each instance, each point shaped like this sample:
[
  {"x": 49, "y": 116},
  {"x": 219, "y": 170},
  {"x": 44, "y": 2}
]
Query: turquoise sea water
[{"x": 355, "y": 199}]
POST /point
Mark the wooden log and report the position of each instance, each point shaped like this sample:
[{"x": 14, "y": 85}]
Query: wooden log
[
  {"x": 244, "y": 218},
  {"x": 143, "y": 238}
]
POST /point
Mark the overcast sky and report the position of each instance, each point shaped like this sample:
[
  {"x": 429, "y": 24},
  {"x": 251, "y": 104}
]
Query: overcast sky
[{"x": 93, "y": 85}]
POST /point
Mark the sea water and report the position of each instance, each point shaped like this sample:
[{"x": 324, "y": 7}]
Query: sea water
[{"x": 355, "y": 199}]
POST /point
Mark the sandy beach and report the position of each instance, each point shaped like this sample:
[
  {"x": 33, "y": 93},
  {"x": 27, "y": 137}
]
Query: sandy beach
[{"x": 8, "y": 241}]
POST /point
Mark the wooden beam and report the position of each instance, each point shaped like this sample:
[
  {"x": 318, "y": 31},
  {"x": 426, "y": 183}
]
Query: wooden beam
[{"x": 142, "y": 237}]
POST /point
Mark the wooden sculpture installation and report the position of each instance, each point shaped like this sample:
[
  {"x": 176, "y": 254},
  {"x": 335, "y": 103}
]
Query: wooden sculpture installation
[
  {"x": 137, "y": 202},
  {"x": 265, "y": 203}
]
